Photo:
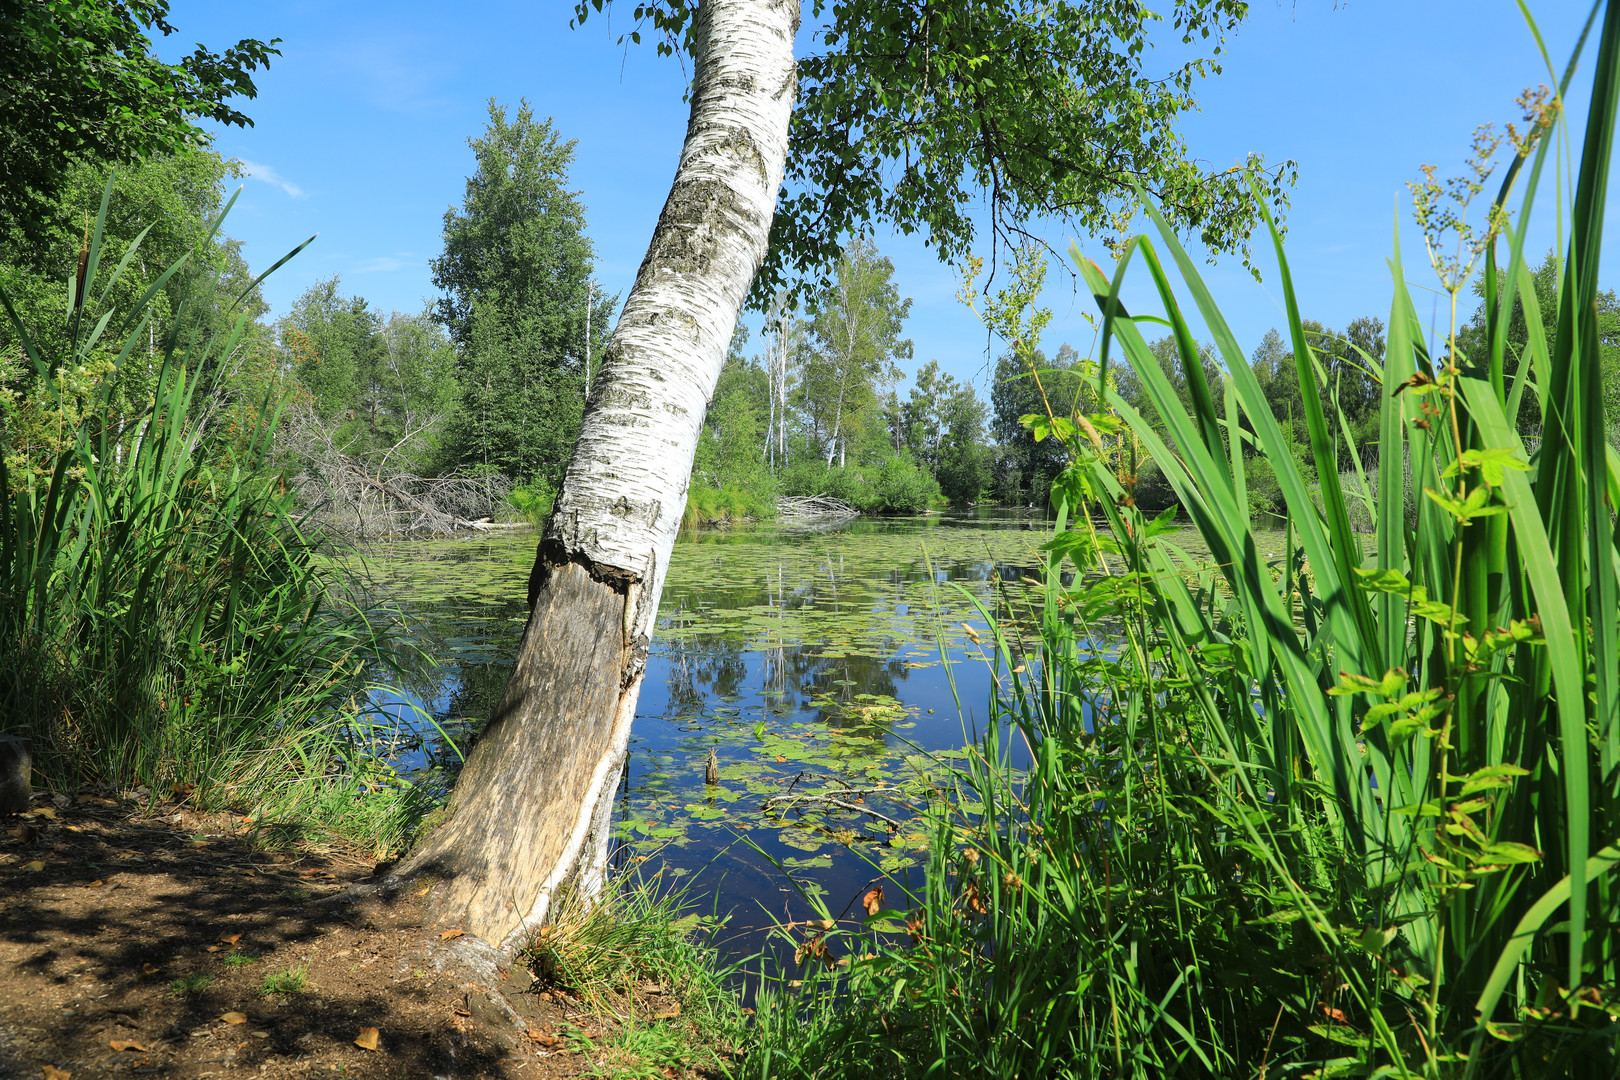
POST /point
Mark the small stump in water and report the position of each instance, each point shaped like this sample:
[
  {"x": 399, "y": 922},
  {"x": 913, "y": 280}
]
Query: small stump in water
[{"x": 16, "y": 772}]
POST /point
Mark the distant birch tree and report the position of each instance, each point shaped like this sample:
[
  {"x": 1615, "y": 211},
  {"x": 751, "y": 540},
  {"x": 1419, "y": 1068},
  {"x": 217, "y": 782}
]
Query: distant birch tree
[{"x": 855, "y": 324}]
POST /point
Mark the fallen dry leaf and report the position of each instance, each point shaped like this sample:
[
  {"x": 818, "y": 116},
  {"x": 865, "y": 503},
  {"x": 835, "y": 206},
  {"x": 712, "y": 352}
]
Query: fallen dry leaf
[
  {"x": 668, "y": 1014},
  {"x": 367, "y": 1039},
  {"x": 51, "y": 1072},
  {"x": 96, "y": 884},
  {"x": 230, "y": 939},
  {"x": 234, "y": 1018},
  {"x": 36, "y": 865},
  {"x": 47, "y": 813},
  {"x": 448, "y": 934},
  {"x": 150, "y": 969},
  {"x": 127, "y": 1044},
  {"x": 540, "y": 1038},
  {"x": 873, "y": 900}
]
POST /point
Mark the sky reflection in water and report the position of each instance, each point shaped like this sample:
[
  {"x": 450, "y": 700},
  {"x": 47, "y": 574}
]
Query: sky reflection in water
[{"x": 805, "y": 659}]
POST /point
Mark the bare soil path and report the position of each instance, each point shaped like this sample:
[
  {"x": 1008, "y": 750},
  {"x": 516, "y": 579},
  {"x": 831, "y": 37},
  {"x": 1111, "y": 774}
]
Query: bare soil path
[{"x": 145, "y": 939}]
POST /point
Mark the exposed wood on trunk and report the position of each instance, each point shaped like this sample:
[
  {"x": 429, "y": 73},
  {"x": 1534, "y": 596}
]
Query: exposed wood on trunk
[
  {"x": 542, "y": 750},
  {"x": 533, "y": 803}
]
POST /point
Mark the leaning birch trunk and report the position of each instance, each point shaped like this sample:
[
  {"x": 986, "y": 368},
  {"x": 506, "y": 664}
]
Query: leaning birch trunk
[{"x": 534, "y": 800}]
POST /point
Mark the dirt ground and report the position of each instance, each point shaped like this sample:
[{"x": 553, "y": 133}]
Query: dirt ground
[{"x": 148, "y": 940}]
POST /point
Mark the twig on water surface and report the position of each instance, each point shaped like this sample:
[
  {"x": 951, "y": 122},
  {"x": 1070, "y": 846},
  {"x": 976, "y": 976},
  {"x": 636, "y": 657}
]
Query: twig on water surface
[{"x": 836, "y": 798}]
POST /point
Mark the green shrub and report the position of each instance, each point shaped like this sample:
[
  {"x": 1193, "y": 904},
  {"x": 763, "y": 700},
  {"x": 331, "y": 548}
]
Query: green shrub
[
  {"x": 902, "y": 486},
  {"x": 896, "y": 485},
  {"x": 816, "y": 478},
  {"x": 164, "y": 620}
]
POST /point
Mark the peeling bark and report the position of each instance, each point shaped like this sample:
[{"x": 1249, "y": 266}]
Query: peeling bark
[{"x": 534, "y": 801}]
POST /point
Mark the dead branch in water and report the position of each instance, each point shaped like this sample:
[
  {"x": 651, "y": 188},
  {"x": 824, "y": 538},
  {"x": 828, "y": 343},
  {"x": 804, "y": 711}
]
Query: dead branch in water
[{"x": 370, "y": 493}]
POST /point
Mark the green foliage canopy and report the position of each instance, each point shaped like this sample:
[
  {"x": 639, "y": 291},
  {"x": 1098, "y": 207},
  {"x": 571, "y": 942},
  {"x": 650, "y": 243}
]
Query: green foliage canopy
[
  {"x": 516, "y": 271},
  {"x": 855, "y": 326},
  {"x": 909, "y": 112},
  {"x": 79, "y": 82}
]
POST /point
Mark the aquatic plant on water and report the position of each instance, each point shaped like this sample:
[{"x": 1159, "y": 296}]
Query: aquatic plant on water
[{"x": 1354, "y": 812}]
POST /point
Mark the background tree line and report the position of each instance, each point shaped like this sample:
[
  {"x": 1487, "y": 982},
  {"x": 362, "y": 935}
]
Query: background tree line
[{"x": 470, "y": 406}]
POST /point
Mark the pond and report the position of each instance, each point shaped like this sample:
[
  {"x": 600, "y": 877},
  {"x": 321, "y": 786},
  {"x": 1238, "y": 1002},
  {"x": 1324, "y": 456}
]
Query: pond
[{"x": 833, "y": 673}]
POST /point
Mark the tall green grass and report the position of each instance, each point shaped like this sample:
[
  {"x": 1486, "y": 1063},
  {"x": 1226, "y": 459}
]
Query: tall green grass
[
  {"x": 164, "y": 621},
  {"x": 1355, "y": 812},
  {"x": 710, "y": 506},
  {"x": 635, "y": 951}
]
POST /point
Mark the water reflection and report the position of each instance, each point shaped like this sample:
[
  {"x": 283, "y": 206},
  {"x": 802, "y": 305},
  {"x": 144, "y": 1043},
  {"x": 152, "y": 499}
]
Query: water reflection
[{"x": 802, "y": 658}]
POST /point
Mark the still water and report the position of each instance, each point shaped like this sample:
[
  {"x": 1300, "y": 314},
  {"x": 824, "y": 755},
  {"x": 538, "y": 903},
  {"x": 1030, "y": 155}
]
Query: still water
[{"x": 833, "y": 664}]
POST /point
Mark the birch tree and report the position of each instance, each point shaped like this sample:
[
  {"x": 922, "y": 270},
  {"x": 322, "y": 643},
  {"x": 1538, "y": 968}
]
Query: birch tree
[
  {"x": 535, "y": 796},
  {"x": 856, "y": 323},
  {"x": 909, "y": 111},
  {"x": 784, "y": 336}
]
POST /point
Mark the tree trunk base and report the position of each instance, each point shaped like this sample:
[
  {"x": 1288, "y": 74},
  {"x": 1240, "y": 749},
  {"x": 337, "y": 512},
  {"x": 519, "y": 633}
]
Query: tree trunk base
[{"x": 535, "y": 798}]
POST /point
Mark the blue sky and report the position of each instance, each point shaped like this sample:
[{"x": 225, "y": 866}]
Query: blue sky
[{"x": 362, "y": 127}]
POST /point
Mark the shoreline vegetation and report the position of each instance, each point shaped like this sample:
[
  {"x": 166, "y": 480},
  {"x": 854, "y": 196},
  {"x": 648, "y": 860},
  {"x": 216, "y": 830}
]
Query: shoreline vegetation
[
  {"x": 1354, "y": 812},
  {"x": 1351, "y": 815}
]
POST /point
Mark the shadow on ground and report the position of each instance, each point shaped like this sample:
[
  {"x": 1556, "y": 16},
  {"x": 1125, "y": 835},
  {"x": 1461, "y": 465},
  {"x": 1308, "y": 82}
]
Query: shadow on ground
[{"x": 145, "y": 939}]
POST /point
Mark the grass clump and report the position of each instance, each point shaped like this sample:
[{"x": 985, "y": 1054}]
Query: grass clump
[
  {"x": 285, "y": 981},
  {"x": 1353, "y": 813},
  {"x": 190, "y": 984},
  {"x": 637, "y": 952},
  {"x": 719, "y": 507},
  {"x": 241, "y": 959},
  {"x": 532, "y": 501}
]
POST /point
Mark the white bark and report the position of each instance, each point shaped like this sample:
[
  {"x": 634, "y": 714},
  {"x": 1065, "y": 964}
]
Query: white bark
[
  {"x": 625, "y": 489},
  {"x": 538, "y": 786}
]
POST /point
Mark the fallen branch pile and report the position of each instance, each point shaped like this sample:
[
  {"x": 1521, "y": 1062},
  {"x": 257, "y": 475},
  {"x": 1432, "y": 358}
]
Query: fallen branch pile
[
  {"x": 371, "y": 494},
  {"x": 811, "y": 507}
]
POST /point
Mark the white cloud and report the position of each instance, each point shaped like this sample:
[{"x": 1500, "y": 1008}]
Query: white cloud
[
  {"x": 382, "y": 264},
  {"x": 400, "y": 73},
  {"x": 255, "y": 171}
]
